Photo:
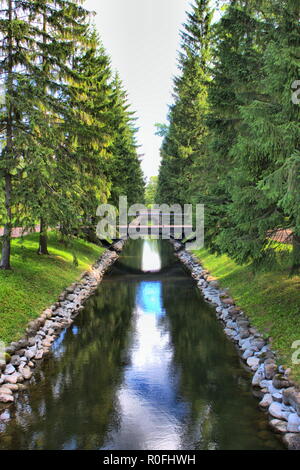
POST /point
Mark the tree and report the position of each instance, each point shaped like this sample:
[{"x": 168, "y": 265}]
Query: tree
[
  {"x": 123, "y": 170},
  {"x": 151, "y": 189},
  {"x": 265, "y": 151},
  {"x": 242, "y": 158},
  {"x": 36, "y": 61},
  {"x": 185, "y": 142},
  {"x": 281, "y": 118},
  {"x": 237, "y": 72},
  {"x": 67, "y": 137}
]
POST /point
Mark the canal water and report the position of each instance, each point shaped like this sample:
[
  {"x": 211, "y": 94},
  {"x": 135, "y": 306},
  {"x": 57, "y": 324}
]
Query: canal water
[{"x": 146, "y": 366}]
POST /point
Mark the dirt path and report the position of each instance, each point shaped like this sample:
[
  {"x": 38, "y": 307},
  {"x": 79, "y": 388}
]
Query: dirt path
[{"x": 18, "y": 231}]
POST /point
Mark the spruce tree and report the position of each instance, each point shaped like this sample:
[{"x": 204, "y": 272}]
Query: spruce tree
[
  {"x": 18, "y": 66},
  {"x": 265, "y": 175},
  {"x": 123, "y": 169},
  {"x": 236, "y": 82},
  {"x": 41, "y": 37},
  {"x": 184, "y": 144}
]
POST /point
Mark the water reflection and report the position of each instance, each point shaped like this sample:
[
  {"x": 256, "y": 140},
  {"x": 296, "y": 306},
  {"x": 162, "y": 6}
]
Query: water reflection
[
  {"x": 148, "y": 394},
  {"x": 144, "y": 366}
]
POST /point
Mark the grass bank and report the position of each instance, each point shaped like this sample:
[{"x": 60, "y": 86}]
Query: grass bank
[
  {"x": 270, "y": 299},
  {"x": 36, "y": 281}
]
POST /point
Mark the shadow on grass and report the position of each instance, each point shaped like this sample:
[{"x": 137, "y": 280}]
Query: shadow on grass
[{"x": 36, "y": 281}]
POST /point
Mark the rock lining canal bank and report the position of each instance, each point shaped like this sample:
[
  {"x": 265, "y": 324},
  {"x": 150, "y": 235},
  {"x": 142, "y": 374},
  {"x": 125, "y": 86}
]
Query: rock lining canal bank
[
  {"x": 279, "y": 396},
  {"x": 23, "y": 356}
]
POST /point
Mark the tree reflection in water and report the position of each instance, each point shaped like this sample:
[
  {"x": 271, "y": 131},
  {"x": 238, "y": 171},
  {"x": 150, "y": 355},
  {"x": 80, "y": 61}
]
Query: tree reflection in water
[{"x": 146, "y": 365}]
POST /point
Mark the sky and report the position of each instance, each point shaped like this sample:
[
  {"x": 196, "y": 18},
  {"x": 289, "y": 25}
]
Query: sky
[{"x": 142, "y": 39}]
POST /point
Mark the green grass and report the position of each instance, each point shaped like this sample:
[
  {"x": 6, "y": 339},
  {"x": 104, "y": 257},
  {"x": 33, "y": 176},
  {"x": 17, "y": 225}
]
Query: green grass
[
  {"x": 270, "y": 299},
  {"x": 35, "y": 282}
]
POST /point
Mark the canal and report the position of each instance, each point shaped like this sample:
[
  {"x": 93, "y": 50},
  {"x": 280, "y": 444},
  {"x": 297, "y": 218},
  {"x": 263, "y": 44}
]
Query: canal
[{"x": 145, "y": 365}]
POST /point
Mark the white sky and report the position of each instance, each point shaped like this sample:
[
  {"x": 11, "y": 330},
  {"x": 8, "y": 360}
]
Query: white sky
[{"x": 142, "y": 38}]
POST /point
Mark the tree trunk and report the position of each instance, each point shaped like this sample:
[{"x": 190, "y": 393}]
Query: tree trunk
[
  {"x": 43, "y": 241},
  {"x": 6, "y": 244},
  {"x": 296, "y": 254},
  {"x": 5, "y": 257}
]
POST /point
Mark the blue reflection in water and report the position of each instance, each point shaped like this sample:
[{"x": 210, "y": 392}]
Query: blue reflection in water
[
  {"x": 150, "y": 411},
  {"x": 59, "y": 347},
  {"x": 149, "y": 298},
  {"x": 75, "y": 330}
]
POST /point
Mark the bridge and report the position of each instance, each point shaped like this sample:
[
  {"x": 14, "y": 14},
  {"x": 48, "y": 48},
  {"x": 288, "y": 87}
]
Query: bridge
[{"x": 156, "y": 223}]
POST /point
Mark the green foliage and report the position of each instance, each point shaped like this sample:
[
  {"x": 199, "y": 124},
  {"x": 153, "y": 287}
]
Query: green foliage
[
  {"x": 123, "y": 168},
  {"x": 161, "y": 129},
  {"x": 151, "y": 190},
  {"x": 185, "y": 137},
  {"x": 233, "y": 138},
  {"x": 67, "y": 139}
]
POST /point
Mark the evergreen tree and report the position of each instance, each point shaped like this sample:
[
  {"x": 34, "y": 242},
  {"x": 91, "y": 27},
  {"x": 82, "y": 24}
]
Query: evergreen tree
[
  {"x": 88, "y": 123},
  {"x": 184, "y": 144},
  {"x": 265, "y": 153},
  {"x": 241, "y": 158},
  {"x": 123, "y": 169},
  {"x": 239, "y": 38},
  {"x": 35, "y": 64},
  {"x": 19, "y": 68},
  {"x": 67, "y": 137}
]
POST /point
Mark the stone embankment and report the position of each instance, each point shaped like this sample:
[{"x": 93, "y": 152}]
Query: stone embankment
[
  {"x": 279, "y": 396},
  {"x": 23, "y": 356}
]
